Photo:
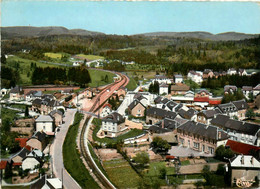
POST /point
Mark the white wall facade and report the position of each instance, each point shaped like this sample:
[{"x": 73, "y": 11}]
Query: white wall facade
[
  {"x": 163, "y": 90},
  {"x": 44, "y": 126}
]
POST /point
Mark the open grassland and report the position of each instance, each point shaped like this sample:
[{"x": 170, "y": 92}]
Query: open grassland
[
  {"x": 72, "y": 160},
  {"x": 53, "y": 55},
  {"x": 121, "y": 173},
  {"x": 131, "y": 84},
  {"x": 24, "y": 67},
  {"x": 90, "y": 57},
  {"x": 98, "y": 78}
]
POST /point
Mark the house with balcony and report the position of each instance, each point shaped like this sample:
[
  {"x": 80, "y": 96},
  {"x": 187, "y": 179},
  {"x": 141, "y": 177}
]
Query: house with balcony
[
  {"x": 113, "y": 125},
  {"x": 247, "y": 90},
  {"x": 16, "y": 93},
  {"x": 205, "y": 116},
  {"x": 179, "y": 89},
  {"x": 162, "y": 79},
  {"x": 244, "y": 132}
]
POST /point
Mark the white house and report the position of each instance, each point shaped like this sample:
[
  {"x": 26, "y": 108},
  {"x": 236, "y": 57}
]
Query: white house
[
  {"x": 195, "y": 76},
  {"x": 32, "y": 95},
  {"x": 247, "y": 90},
  {"x": 45, "y": 123},
  {"x": 107, "y": 109},
  {"x": 256, "y": 90},
  {"x": 231, "y": 71},
  {"x": 33, "y": 159},
  {"x": 16, "y": 93},
  {"x": 242, "y": 72},
  {"x": 178, "y": 78},
  {"x": 113, "y": 124},
  {"x": 163, "y": 89},
  {"x": 161, "y": 79}
]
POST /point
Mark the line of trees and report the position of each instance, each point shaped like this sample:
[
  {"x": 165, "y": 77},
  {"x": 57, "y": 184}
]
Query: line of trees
[
  {"x": 236, "y": 80},
  {"x": 51, "y": 75}
]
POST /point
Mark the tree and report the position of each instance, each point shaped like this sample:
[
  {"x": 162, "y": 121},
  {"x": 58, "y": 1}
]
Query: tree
[
  {"x": 3, "y": 59},
  {"x": 26, "y": 113},
  {"x": 162, "y": 173},
  {"x": 223, "y": 153},
  {"x": 142, "y": 158},
  {"x": 160, "y": 143},
  {"x": 250, "y": 113}
]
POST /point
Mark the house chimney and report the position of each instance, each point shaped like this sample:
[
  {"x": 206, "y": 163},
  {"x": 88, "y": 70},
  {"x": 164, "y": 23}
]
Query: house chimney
[
  {"x": 163, "y": 124},
  {"x": 219, "y": 134}
]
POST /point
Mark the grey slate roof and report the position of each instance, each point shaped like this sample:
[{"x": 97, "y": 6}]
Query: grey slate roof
[
  {"x": 55, "y": 111},
  {"x": 257, "y": 88},
  {"x": 23, "y": 152},
  {"x": 158, "y": 129},
  {"x": 39, "y": 135},
  {"x": 240, "y": 104},
  {"x": 160, "y": 113},
  {"x": 157, "y": 99},
  {"x": 228, "y": 107},
  {"x": 203, "y": 130},
  {"x": 239, "y": 126},
  {"x": 134, "y": 103},
  {"x": 16, "y": 89},
  {"x": 247, "y": 88},
  {"x": 208, "y": 113},
  {"x": 187, "y": 114},
  {"x": 114, "y": 118},
  {"x": 44, "y": 118}
]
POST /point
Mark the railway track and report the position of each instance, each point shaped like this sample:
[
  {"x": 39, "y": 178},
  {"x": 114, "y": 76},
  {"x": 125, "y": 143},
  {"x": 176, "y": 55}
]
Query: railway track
[{"x": 102, "y": 179}]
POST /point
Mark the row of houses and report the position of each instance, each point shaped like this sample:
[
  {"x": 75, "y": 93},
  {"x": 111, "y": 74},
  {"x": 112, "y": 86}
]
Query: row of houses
[{"x": 202, "y": 131}]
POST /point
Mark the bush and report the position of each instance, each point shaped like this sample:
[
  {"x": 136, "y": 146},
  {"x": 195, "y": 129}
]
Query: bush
[{"x": 223, "y": 154}]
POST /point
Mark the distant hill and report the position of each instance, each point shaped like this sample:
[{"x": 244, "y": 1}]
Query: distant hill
[
  {"x": 28, "y": 31},
  {"x": 204, "y": 35}
]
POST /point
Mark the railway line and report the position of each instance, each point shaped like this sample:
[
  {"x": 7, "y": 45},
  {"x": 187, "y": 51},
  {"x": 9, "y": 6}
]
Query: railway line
[{"x": 86, "y": 155}]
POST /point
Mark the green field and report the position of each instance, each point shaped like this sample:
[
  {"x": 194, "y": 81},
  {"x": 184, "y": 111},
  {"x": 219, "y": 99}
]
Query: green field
[
  {"x": 24, "y": 67},
  {"x": 154, "y": 168},
  {"x": 121, "y": 173},
  {"x": 90, "y": 57},
  {"x": 131, "y": 85},
  {"x": 98, "y": 77},
  {"x": 53, "y": 55},
  {"x": 72, "y": 161}
]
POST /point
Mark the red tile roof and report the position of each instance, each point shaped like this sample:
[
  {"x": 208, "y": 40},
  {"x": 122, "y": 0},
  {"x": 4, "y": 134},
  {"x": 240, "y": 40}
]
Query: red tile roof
[
  {"x": 201, "y": 99},
  {"x": 3, "y": 164},
  {"x": 214, "y": 102},
  {"x": 22, "y": 141},
  {"x": 241, "y": 148},
  {"x": 17, "y": 164}
]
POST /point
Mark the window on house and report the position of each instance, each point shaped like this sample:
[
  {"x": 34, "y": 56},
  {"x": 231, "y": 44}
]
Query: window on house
[
  {"x": 211, "y": 150},
  {"x": 196, "y": 145}
]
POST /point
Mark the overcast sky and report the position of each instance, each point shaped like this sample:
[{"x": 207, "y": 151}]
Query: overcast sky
[{"x": 135, "y": 17}]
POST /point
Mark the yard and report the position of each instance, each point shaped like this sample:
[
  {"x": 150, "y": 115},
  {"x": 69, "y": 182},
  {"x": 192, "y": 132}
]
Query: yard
[
  {"x": 98, "y": 77},
  {"x": 72, "y": 160},
  {"x": 154, "y": 168},
  {"x": 90, "y": 57},
  {"x": 131, "y": 85},
  {"x": 121, "y": 173},
  {"x": 130, "y": 134}
]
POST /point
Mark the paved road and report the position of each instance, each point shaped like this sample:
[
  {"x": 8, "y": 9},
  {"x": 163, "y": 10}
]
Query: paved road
[{"x": 56, "y": 152}]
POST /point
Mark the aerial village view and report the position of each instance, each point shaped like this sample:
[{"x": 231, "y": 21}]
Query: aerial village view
[{"x": 130, "y": 95}]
